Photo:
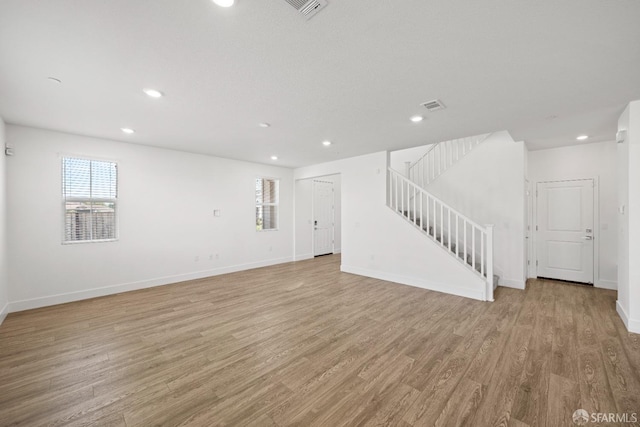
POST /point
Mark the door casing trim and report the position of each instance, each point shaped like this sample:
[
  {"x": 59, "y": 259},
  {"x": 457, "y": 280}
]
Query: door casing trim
[{"x": 596, "y": 227}]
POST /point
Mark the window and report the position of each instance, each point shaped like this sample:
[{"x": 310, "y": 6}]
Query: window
[
  {"x": 89, "y": 197},
  {"x": 266, "y": 204}
]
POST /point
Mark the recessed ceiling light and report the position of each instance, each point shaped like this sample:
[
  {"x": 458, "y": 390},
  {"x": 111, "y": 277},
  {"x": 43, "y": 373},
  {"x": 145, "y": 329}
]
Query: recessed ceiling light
[
  {"x": 274, "y": 157},
  {"x": 582, "y": 137},
  {"x": 128, "y": 131},
  {"x": 264, "y": 125},
  {"x": 54, "y": 80},
  {"x": 326, "y": 143},
  {"x": 224, "y": 3},
  {"x": 417, "y": 119},
  {"x": 153, "y": 93}
]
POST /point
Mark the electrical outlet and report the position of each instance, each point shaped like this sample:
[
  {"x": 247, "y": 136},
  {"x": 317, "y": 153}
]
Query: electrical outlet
[
  {"x": 217, "y": 256},
  {"x": 196, "y": 258},
  {"x": 211, "y": 257},
  {"x": 270, "y": 248}
]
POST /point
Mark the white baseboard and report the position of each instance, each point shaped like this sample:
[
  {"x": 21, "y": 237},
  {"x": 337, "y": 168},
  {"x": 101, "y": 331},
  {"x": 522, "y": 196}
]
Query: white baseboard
[
  {"x": 4, "y": 312},
  {"x": 607, "y": 284},
  {"x": 509, "y": 283},
  {"x": 303, "y": 257},
  {"x": 29, "y": 304},
  {"x": 631, "y": 324},
  {"x": 416, "y": 282}
]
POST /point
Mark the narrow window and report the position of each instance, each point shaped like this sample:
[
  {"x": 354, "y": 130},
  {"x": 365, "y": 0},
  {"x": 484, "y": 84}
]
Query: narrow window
[
  {"x": 267, "y": 204},
  {"x": 89, "y": 197}
]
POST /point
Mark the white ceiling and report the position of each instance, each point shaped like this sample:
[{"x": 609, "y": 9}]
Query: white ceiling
[{"x": 544, "y": 70}]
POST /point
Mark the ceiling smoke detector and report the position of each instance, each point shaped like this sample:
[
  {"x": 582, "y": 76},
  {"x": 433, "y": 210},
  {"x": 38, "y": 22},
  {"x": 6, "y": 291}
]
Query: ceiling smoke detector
[
  {"x": 308, "y": 8},
  {"x": 434, "y": 105}
]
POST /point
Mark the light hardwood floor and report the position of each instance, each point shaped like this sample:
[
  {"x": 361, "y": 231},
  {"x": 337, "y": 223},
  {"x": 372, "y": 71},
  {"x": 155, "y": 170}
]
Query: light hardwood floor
[{"x": 303, "y": 344}]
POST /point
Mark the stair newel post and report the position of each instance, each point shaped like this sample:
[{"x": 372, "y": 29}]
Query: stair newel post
[
  {"x": 415, "y": 205},
  {"x": 395, "y": 190},
  {"x": 428, "y": 216},
  {"x": 441, "y": 224},
  {"x": 421, "y": 207},
  {"x": 489, "y": 228},
  {"x": 464, "y": 246},
  {"x": 389, "y": 194},
  {"x": 457, "y": 249},
  {"x": 449, "y": 228},
  {"x": 402, "y": 196}
]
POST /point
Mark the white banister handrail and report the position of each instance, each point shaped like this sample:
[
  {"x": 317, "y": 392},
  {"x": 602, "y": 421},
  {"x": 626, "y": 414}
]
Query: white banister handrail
[
  {"x": 489, "y": 292},
  {"x": 431, "y": 196}
]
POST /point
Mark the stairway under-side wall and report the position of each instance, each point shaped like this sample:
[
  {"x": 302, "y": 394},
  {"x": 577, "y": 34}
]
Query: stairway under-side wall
[{"x": 461, "y": 251}]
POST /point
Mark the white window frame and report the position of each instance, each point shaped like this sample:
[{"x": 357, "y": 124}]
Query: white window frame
[
  {"x": 276, "y": 204},
  {"x": 64, "y": 200}
]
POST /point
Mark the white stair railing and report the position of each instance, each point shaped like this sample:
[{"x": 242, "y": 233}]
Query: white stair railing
[
  {"x": 464, "y": 239},
  {"x": 440, "y": 157}
]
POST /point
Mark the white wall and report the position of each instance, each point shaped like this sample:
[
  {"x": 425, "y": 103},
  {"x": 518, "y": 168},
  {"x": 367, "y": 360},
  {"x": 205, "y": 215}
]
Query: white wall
[
  {"x": 628, "y": 304},
  {"x": 583, "y": 161},
  {"x": 4, "y": 285},
  {"x": 166, "y": 225},
  {"x": 487, "y": 185},
  {"x": 377, "y": 242},
  {"x": 304, "y": 216},
  {"x": 633, "y": 213}
]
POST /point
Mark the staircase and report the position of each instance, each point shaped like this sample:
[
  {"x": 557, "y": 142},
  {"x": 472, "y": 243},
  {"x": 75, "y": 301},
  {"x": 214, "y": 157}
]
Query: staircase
[
  {"x": 467, "y": 241},
  {"x": 440, "y": 157}
]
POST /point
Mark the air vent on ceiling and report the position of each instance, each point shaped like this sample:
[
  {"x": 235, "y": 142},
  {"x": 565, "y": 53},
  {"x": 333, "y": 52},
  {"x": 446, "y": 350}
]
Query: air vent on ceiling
[
  {"x": 308, "y": 8},
  {"x": 434, "y": 105}
]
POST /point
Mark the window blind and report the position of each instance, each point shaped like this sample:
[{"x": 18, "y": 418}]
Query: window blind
[{"x": 89, "y": 193}]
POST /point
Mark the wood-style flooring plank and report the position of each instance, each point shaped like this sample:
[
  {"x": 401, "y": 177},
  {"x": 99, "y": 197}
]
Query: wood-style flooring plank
[{"x": 302, "y": 344}]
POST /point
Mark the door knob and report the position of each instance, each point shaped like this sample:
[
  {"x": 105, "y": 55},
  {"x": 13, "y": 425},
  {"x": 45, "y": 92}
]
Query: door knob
[{"x": 588, "y": 237}]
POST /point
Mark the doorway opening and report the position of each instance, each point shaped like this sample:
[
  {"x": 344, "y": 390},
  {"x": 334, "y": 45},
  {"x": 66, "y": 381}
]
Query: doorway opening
[
  {"x": 318, "y": 217},
  {"x": 323, "y": 217}
]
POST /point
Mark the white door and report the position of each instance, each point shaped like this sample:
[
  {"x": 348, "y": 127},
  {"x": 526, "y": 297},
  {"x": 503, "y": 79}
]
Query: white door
[
  {"x": 565, "y": 230},
  {"x": 322, "y": 217}
]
